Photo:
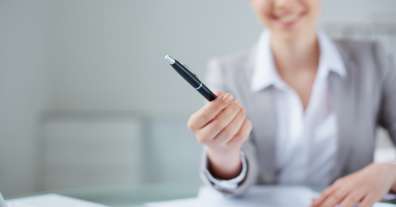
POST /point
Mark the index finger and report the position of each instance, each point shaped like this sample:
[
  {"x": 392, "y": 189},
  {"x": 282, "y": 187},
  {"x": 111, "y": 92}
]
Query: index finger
[
  {"x": 324, "y": 195},
  {"x": 210, "y": 110}
]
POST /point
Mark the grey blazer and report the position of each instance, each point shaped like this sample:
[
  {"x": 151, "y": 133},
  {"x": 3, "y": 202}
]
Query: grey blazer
[{"x": 364, "y": 100}]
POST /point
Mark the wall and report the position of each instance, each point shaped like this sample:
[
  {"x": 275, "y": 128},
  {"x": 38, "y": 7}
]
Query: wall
[
  {"x": 107, "y": 55},
  {"x": 23, "y": 91}
]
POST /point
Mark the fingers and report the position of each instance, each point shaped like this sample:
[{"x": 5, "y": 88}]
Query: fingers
[
  {"x": 362, "y": 188},
  {"x": 204, "y": 115},
  {"x": 340, "y": 194},
  {"x": 324, "y": 195},
  {"x": 352, "y": 199},
  {"x": 232, "y": 128},
  {"x": 221, "y": 122},
  {"x": 368, "y": 201},
  {"x": 243, "y": 133},
  {"x": 210, "y": 131},
  {"x": 332, "y": 197}
]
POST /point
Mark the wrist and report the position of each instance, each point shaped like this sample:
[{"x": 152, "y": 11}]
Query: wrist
[
  {"x": 223, "y": 155},
  {"x": 224, "y": 164}
]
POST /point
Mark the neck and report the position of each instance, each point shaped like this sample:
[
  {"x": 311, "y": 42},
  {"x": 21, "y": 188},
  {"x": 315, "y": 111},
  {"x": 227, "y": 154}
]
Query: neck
[{"x": 296, "y": 53}]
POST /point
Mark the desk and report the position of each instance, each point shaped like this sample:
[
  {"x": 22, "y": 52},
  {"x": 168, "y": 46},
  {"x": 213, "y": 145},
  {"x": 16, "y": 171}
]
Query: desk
[{"x": 121, "y": 196}]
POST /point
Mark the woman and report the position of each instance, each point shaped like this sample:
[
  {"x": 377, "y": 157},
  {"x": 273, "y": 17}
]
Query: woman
[{"x": 303, "y": 111}]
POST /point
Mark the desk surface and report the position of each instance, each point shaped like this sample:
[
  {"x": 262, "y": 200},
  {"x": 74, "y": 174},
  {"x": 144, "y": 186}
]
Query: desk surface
[{"x": 121, "y": 196}]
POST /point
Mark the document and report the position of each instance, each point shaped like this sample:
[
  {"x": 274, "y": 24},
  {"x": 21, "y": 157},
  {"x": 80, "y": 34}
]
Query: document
[
  {"x": 50, "y": 200},
  {"x": 268, "y": 196}
]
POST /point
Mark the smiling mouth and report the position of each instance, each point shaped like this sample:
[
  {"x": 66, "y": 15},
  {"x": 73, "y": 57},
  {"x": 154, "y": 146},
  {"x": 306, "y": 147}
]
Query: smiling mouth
[{"x": 288, "y": 19}]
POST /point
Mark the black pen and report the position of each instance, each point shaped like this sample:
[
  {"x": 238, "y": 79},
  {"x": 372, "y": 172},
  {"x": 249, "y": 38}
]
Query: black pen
[{"x": 191, "y": 78}]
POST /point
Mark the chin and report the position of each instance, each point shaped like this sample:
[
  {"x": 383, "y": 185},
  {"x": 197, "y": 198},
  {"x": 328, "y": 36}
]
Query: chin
[
  {"x": 287, "y": 32},
  {"x": 290, "y": 30}
]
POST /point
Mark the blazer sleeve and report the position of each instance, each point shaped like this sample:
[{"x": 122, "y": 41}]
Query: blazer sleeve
[
  {"x": 387, "y": 116},
  {"x": 215, "y": 79}
]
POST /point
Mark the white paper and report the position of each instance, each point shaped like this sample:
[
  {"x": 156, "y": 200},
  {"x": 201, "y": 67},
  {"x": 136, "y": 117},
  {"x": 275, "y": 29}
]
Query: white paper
[
  {"x": 50, "y": 200},
  {"x": 256, "y": 197}
]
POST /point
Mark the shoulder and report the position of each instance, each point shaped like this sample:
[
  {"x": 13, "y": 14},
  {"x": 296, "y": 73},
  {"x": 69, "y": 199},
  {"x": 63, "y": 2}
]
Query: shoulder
[
  {"x": 235, "y": 63},
  {"x": 232, "y": 72},
  {"x": 365, "y": 55}
]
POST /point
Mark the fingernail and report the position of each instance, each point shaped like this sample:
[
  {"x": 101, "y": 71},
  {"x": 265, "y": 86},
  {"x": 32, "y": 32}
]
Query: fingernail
[
  {"x": 230, "y": 98},
  {"x": 225, "y": 97}
]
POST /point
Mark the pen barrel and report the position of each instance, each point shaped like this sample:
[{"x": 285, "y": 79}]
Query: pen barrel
[
  {"x": 193, "y": 80},
  {"x": 186, "y": 74},
  {"x": 208, "y": 94}
]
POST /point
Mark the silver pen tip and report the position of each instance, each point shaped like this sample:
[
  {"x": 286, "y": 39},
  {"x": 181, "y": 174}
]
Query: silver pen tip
[{"x": 169, "y": 59}]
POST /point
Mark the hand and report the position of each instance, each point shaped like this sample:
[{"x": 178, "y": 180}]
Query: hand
[
  {"x": 362, "y": 188},
  {"x": 222, "y": 126}
]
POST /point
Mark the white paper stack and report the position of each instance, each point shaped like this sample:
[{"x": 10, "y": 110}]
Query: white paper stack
[{"x": 50, "y": 200}]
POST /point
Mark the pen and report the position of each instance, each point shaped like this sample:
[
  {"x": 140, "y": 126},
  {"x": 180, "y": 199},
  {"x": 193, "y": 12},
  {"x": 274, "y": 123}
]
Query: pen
[{"x": 191, "y": 78}]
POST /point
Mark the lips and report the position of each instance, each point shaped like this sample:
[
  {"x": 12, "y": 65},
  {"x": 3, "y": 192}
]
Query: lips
[{"x": 287, "y": 20}]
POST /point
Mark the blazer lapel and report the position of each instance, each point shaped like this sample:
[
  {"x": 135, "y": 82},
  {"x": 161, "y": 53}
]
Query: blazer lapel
[
  {"x": 264, "y": 121},
  {"x": 343, "y": 101}
]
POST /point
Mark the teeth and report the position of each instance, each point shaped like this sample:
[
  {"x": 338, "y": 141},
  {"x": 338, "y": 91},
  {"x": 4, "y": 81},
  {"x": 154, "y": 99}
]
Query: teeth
[{"x": 288, "y": 18}]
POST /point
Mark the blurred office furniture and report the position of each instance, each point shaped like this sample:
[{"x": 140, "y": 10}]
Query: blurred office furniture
[
  {"x": 382, "y": 31},
  {"x": 90, "y": 150},
  {"x": 86, "y": 149}
]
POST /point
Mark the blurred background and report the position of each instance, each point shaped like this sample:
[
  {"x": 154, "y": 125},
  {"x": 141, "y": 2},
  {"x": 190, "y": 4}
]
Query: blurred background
[{"x": 87, "y": 101}]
